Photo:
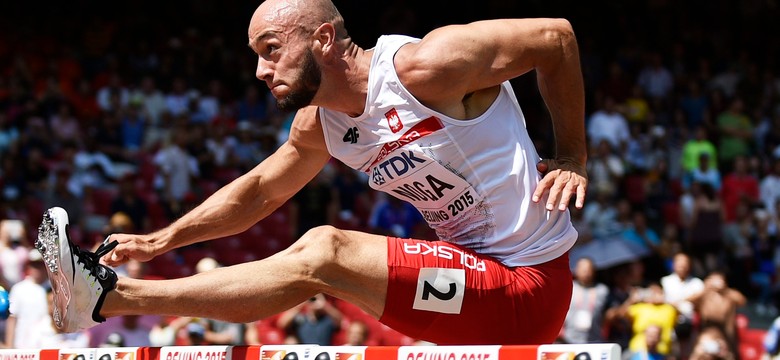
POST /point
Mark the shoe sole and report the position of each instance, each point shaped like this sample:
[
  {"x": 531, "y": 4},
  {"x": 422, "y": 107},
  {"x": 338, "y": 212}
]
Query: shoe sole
[{"x": 54, "y": 246}]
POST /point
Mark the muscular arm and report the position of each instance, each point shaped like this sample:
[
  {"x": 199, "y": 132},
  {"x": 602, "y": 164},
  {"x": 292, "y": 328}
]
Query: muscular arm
[
  {"x": 473, "y": 58},
  {"x": 243, "y": 202}
]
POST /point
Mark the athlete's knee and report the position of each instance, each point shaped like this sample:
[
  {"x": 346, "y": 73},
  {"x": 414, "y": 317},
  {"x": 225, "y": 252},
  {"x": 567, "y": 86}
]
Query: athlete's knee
[{"x": 319, "y": 248}]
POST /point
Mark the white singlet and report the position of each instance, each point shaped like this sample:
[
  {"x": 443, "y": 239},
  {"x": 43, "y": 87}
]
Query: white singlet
[{"x": 472, "y": 180}]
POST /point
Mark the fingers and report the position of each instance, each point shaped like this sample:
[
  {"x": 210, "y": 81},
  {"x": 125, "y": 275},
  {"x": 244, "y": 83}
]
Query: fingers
[
  {"x": 562, "y": 186},
  {"x": 121, "y": 253},
  {"x": 544, "y": 184},
  {"x": 582, "y": 189}
]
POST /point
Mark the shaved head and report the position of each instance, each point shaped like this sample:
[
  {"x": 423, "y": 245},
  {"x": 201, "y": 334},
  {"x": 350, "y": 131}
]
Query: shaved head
[{"x": 300, "y": 15}]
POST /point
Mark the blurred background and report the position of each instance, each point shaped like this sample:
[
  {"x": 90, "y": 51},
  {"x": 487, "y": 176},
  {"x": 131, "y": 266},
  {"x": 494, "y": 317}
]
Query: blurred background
[{"x": 128, "y": 114}]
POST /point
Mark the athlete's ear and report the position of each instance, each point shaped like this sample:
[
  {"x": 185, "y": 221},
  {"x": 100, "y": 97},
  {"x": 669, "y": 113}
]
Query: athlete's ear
[{"x": 325, "y": 38}]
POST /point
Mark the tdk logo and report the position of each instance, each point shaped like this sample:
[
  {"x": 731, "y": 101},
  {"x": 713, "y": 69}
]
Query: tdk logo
[{"x": 395, "y": 166}]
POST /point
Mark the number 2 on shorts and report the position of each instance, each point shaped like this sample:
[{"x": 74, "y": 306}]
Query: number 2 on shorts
[{"x": 440, "y": 290}]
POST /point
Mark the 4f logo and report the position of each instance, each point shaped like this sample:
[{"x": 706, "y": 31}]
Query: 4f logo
[
  {"x": 351, "y": 136},
  {"x": 394, "y": 121}
]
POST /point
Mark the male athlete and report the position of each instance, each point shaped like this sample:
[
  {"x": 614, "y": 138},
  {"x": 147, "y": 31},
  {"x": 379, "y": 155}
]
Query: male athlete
[{"x": 432, "y": 121}]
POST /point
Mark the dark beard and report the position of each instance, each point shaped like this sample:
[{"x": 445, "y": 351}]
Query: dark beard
[{"x": 309, "y": 78}]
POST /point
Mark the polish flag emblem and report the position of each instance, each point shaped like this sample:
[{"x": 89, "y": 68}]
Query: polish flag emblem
[{"x": 394, "y": 121}]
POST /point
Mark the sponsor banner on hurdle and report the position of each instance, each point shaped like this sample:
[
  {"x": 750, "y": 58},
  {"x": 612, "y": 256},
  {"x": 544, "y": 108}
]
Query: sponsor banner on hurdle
[
  {"x": 285, "y": 352},
  {"x": 118, "y": 353},
  {"x": 579, "y": 352},
  {"x": 77, "y": 354},
  {"x": 211, "y": 352},
  {"x": 482, "y": 352},
  {"x": 20, "y": 354}
]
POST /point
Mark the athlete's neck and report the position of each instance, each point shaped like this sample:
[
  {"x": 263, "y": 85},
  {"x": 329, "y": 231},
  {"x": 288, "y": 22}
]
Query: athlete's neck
[{"x": 348, "y": 86}]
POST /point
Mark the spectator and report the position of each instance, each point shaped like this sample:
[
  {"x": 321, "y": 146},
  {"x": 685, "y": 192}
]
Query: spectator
[
  {"x": 712, "y": 345},
  {"x": 736, "y": 132},
  {"x": 695, "y": 147},
  {"x": 695, "y": 105},
  {"x": 678, "y": 287},
  {"x": 357, "y": 334},
  {"x": 646, "y": 308},
  {"x": 704, "y": 174},
  {"x": 314, "y": 321},
  {"x": 14, "y": 251},
  {"x": 763, "y": 270},
  {"x": 738, "y": 185},
  {"x": 650, "y": 350},
  {"x": 640, "y": 234},
  {"x": 769, "y": 188},
  {"x": 113, "y": 89},
  {"x": 705, "y": 238},
  {"x": 772, "y": 340},
  {"x": 248, "y": 149},
  {"x": 584, "y": 319},
  {"x": 66, "y": 125},
  {"x": 625, "y": 278},
  {"x": 177, "y": 101},
  {"x": 28, "y": 305},
  {"x": 151, "y": 99},
  {"x": 176, "y": 171},
  {"x": 132, "y": 127},
  {"x": 601, "y": 215},
  {"x": 637, "y": 109},
  {"x": 608, "y": 124},
  {"x": 717, "y": 306},
  {"x": 605, "y": 169},
  {"x": 656, "y": 80}
]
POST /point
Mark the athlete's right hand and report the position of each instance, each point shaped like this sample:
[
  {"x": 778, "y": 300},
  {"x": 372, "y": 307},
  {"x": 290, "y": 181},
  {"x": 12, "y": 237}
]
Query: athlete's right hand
[{"x": 138, "y": 247}]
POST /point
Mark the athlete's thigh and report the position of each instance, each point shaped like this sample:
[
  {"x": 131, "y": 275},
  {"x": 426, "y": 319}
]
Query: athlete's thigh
[{"x": 358, "y": 273}]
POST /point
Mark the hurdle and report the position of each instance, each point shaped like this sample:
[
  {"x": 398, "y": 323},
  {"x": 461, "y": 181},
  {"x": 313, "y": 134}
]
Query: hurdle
[{"x": 313, "y": 352}]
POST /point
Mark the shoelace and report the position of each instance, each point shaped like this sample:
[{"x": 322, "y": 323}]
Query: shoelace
[{"x": 91, "y": 260}]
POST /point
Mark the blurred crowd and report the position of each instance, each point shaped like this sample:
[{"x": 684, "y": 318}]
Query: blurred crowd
[{"x": 127, "y": 130}]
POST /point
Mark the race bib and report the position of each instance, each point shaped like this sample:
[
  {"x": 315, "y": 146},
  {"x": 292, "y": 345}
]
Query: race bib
[{"x": 438, "y": 193}]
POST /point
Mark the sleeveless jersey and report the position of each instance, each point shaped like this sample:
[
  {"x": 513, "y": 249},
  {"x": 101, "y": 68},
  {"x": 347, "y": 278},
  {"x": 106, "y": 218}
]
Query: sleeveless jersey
[{"x": 472, "y": 180}]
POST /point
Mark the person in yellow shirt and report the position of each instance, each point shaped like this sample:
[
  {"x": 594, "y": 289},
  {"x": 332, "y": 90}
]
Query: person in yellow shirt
[{"x": 646, "y": 308}]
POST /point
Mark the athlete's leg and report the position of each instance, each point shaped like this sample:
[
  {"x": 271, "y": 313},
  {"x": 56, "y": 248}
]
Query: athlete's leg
[{"x": 346, "y": 264}]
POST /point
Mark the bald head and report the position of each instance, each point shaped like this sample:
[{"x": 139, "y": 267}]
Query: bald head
[{"x": 299, "y": 15}]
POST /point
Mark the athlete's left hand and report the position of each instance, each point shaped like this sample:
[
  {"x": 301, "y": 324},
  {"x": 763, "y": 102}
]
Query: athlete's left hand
[{"x": 563, "y": 178}]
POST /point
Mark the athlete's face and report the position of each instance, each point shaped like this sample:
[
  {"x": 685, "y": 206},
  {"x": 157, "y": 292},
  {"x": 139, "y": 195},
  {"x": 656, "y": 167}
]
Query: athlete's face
[{"x": 285, "y": 62}]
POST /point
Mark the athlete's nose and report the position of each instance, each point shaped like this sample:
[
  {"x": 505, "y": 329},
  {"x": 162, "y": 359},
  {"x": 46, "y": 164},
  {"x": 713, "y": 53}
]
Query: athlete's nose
[{"x": 264, "y": 69}]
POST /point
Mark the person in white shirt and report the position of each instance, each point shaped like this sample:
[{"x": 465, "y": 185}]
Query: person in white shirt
[
  {"x": 678, "y": 287},
  {"x": 608, "y": 124},
  {"x": 28, "y": 305}
]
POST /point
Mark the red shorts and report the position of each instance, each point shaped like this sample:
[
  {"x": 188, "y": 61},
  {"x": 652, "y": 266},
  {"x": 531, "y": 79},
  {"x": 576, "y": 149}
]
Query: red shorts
[{"x": 447, "y": 294}]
